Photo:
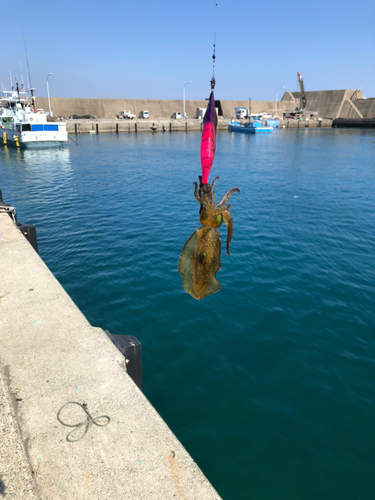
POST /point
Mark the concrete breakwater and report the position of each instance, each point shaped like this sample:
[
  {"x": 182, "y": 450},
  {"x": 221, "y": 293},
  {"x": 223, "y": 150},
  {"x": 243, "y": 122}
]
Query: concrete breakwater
[
  {"x": 157, "y": 126},
  {"x": 334, "y": 103},
  {"x": 50, "y": 355},
  {"x": 326, "y": 103},
  {"x": 158, "y": 108}
]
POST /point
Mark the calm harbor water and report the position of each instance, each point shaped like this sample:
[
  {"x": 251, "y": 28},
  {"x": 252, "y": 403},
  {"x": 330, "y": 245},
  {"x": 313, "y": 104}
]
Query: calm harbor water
[{"x": 270, "y": 383}]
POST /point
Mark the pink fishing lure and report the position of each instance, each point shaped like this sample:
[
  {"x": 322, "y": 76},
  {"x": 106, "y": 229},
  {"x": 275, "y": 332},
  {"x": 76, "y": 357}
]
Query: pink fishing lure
[{"x": 208, "y": 141}]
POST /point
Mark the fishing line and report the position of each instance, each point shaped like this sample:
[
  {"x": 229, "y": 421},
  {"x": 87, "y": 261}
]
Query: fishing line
[{"x": 214, "y": 54}]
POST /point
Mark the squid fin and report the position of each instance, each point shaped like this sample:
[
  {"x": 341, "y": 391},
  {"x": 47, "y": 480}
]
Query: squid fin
[
  {"x": 185, "y": 264},
  {"x": 200, "y": 262},
  {"x": 206, "y": 264}
]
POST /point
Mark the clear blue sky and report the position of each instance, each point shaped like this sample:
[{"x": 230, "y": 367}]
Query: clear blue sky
[{"x": 149, "y": 49}]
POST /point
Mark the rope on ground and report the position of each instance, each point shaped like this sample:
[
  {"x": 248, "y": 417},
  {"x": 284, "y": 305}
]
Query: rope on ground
[
  {"x": 11, "y": 211},
  {"x": 87, "y": 423}
]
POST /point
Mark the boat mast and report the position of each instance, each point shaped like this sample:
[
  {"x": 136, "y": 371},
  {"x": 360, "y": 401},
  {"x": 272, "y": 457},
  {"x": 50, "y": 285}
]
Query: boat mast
[
  {"x": 28, "y": 74},
  {"x": 21, "y": 75}
]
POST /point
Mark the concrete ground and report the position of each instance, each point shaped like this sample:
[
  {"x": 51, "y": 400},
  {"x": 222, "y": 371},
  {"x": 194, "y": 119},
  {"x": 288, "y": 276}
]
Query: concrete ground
[
  {"x": 51, "y": 355},
  {"x": 16, "y": 480}
]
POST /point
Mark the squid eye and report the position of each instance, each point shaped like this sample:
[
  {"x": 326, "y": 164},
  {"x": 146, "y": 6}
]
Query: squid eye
[{"x": 219, "y": 220}]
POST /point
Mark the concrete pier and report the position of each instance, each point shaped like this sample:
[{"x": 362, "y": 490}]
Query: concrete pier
[
  {"x": 323, "y": 123},
  {"x": 135, "y": 126},
  {"x": 354, "y": 123},
  {"x": 139, "y": 126},
  {"x": 50, "y": 355}
]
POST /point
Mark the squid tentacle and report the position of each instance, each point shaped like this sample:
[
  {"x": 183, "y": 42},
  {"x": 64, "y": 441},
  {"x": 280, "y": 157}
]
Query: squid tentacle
[
  {"x": 226, "y": 197},
  {"x": 212, "y": 188},
  {"x": 196, "y": 192},
  {"x": 227, "y": 216},
  {"x": 204, "y": 191}
]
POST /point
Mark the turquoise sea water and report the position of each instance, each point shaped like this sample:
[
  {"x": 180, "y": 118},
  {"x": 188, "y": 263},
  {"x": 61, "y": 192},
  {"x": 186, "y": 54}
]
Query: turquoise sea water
[{"x": 270, "y": 383}]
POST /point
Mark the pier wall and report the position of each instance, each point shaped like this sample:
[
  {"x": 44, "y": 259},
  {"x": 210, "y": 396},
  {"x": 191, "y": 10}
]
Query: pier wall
[
  {"x": 366, "y": 108},
  {"x": 350, "y": 110},
  {"x": 109, "y": 108},
  {"x": 131, "y": 127},
  {"x": 51, "y": 355},
  {"x": 334, "y": 103},
  {"x": 158, "y": 108},
  {"x": 327, "y": 103},
  {"x": 323, "y": 123},
  {"x": 135, "y": 126}
]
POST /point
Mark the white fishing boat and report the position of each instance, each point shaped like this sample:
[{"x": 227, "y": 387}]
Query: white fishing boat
[{"x": 24, "y": 126}]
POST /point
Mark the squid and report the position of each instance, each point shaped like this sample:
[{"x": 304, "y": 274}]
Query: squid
[{"x": 200, "y": 258}]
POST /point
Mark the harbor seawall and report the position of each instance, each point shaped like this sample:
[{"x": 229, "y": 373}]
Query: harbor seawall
[
  {"x": 158, "y": 108},
  {"x": 335, "y": 103},
  {"x": 50, "y": 355},
  {"x": 364, "y": 108},
  {"x": 329, "y": 104}
]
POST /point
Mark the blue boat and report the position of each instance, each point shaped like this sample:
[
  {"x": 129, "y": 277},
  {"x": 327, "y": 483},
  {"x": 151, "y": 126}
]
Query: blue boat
[
  {"x": 273, "y": 123},
  {"x": 254, "y": 127}
]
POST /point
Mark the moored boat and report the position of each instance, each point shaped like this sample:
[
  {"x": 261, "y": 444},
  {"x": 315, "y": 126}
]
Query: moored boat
[
  {"x": 254, "y": 127},
  {"x": 24, "y": 126}
]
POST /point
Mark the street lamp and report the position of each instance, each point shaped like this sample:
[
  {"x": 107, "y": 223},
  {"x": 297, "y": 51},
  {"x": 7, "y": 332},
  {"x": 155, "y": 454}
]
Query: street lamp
[
  {"x": 49, "y": 102},
  {"x": 184, "y": 97},
  {"x": 276, "y": 99}
]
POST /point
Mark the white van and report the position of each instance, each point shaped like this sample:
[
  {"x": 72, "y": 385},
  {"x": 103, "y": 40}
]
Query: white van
[
  {"x": 200, "y": 113},
  {"x": 241, "y": 113},
  {"x": 126, "y": 114},
  {"x": 144, "y": 114},
  {"x": 176, "y": 116}
]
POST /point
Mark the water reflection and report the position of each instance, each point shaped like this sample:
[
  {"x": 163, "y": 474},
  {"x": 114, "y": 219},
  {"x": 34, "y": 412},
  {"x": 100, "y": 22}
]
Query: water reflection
[
  {"x": 42, "y": 164},
  {"x": 36, "y": 156},
  {"x": 45, "y": 157}
]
